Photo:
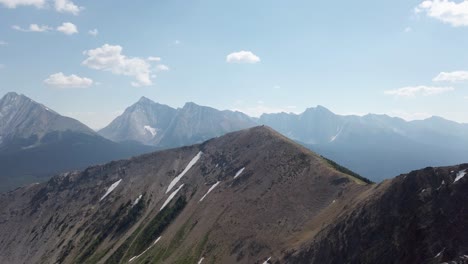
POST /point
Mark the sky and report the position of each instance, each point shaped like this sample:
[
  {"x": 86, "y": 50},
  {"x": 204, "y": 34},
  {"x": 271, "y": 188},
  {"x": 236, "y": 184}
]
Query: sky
[{"x": 92, "y": 59}]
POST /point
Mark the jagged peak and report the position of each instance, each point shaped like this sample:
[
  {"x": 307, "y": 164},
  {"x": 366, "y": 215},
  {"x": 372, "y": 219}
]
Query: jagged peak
[
  {"x": 144, "y": 99},
  {"x": 13, "y": 96},
  {"x": 319, "y": 109},
  {"x": 191, "y": 104}
]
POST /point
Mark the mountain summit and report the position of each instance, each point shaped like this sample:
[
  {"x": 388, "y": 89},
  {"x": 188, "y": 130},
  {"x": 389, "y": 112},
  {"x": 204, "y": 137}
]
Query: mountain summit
[
  {"x": 251, "y": 196},
  {"x": 25, "y": 119},
  {"x": 144, "y": 122},
  {"x": 36, "y": 141},
  {"x": 159, "y": 125}
]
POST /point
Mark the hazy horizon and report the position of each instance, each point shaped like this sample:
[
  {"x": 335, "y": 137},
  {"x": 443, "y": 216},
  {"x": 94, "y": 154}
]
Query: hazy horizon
[{"x": 118, "y": 113}]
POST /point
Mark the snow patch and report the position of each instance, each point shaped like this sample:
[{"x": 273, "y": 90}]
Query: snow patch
[
  {"x": 211, "y": 189},
  {"x": 460, "y": 175},
  {"x": 441, "y": 184},
  {"x": 111, "y": 188},
  {"x": 150, "y": 129},
  {"x": 337, "y": 134},
  {"x": 239, "y": 172},
  {"x": 200, "y": 261},
  {"x": 189, "y": 166},
  {"x": 440, "y": 253},
  {"x": 168, "y": 200},
  {"x": 137, "y": 200},
  {"x": 154, "y": 243},
  {"x": 266, "y": 261}
]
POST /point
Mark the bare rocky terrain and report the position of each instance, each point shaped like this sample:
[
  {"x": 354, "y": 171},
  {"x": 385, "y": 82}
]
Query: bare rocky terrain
[
  {"x": 36, "y": 142},
  {"x": 251, "y": 196}
]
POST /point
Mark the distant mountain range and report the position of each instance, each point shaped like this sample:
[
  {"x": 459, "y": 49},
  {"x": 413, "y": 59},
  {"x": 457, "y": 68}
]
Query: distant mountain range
[
  {"x": 36, "y": 142},
  {"x": 160, "y": 125},
  {"x": 376, "y": 146},
  {"x": 252, "y": 196}
]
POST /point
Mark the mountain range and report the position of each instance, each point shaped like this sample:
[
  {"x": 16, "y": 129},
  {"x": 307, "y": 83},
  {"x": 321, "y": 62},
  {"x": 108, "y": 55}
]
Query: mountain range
[
  {"x": 36, "y": 142},
  {"x": 160, "y": 125},
  {"x": 252, "y": 196},
  {"x": 376, "y": 146}
]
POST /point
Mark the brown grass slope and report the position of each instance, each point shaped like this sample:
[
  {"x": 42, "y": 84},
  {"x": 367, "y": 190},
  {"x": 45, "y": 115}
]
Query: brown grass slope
[
  {"x": 282, "y": 194},
  {"x": 287, "y": 204},
  {"x": 420, "y": 217}
]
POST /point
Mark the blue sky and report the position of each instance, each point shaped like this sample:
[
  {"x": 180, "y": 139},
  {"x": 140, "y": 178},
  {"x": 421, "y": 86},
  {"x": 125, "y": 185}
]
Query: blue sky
[{"x": 92, "y": 59}]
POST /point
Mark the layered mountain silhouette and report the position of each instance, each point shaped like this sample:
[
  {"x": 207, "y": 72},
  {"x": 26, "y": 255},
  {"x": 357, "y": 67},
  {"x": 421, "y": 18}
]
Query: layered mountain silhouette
[
  {"x": 36, "y": 142},
  {"x": 252, "y": 196},
  {"x": 376, "y": 146},
  {"x": 160, "y": 125}
]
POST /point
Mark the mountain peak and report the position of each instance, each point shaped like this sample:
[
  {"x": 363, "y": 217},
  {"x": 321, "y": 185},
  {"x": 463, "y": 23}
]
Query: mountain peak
[
  {"x": 190, "y": 105},
  {"x": 25, "y": 117},
  {"x": 144, "y": 99},
  {"x": 263, "y": 130},
  {"x": 318, "y": 109},
  {"x": 13, "y": 96}
]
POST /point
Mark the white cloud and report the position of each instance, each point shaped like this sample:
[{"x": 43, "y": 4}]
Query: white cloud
[
  {"x": 16, "y": 3},
  {"x": 408, "y": 29},
  {"x": 154, "y": 59},
  {"x": 412, "y": 91},
  {"x": 456, "y": 76},
  {"x": 453, "y": 13},
  {"x": 3, "y": 43},
  {"x": 67, "y": 28},
  {"x": 110, "y": 58},
  {"x": 33, "y": 28},
  {"x": 242, "y": 57},
  {"x": 161, "y": 67},
  {"x": 59, "y": 80},
  {"x": 93, "y": 32},
  {"x": 67, "y": 6},
  {"x": 62, "y": 6}
]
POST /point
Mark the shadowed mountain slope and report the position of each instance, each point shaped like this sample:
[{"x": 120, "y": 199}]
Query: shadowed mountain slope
[{"x": 36, "y": 142}]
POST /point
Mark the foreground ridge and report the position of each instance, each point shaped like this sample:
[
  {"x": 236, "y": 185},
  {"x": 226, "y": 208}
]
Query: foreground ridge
[{"x": 253, "y": 196}]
